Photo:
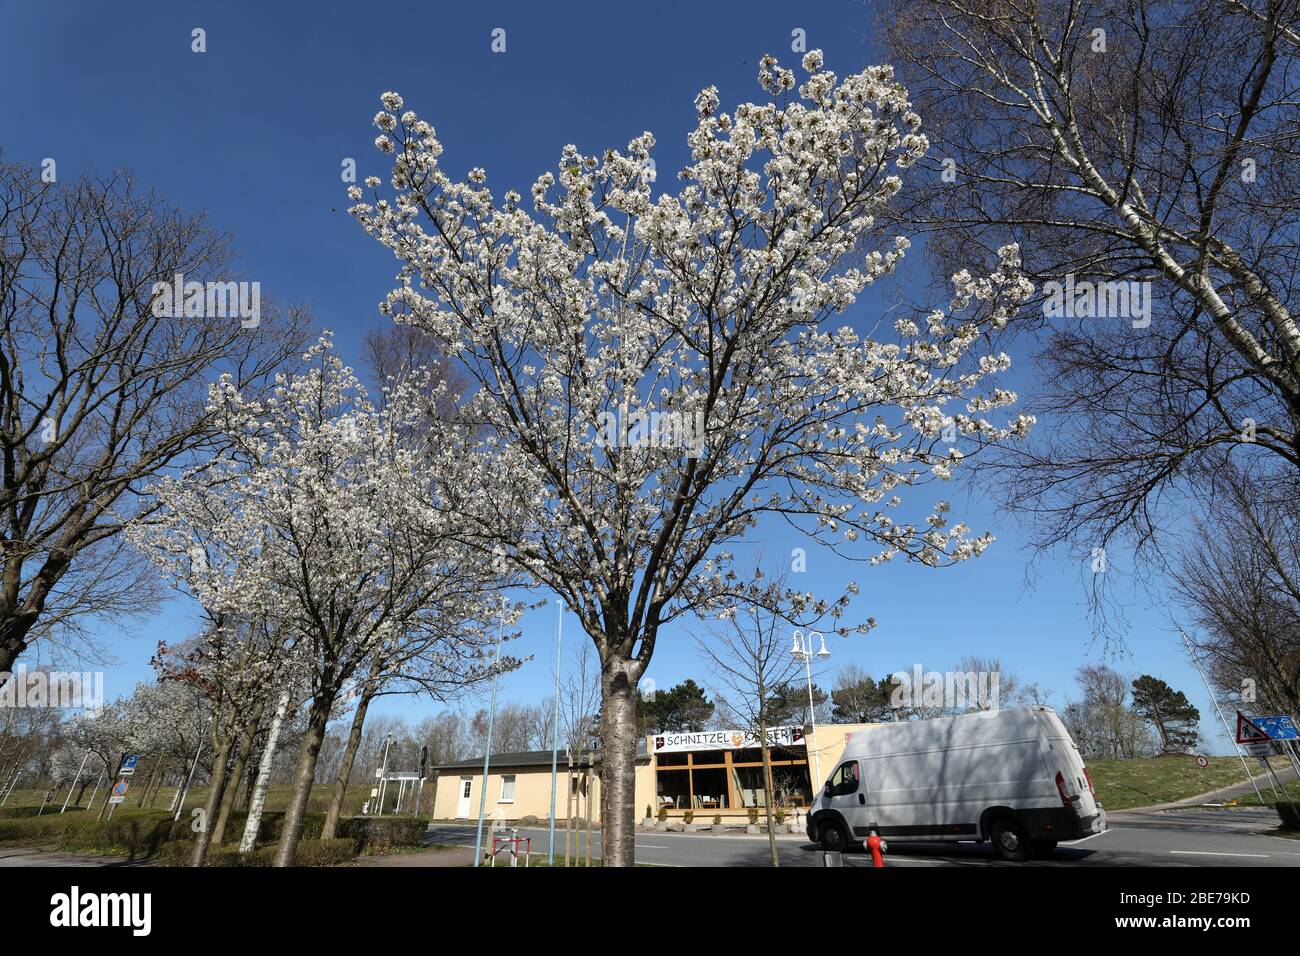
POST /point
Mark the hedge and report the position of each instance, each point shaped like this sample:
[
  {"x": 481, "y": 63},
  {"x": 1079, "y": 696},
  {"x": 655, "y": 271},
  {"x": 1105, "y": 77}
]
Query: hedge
[
  {"x": 372, "y": 834},
  {"x": 310, "y": 853},
  {"x": 143, "y": 833},
  {"x": 134, "y": 834}
]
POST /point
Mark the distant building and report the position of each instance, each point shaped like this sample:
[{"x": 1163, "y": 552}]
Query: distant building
[{"x": 712, "y": 773}]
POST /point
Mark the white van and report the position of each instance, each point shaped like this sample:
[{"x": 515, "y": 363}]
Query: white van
[{"x": 1013, "y": 777}]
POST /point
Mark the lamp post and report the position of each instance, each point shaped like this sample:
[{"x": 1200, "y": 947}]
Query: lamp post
[
  {"x": 802, "y": 651},
  {"x": 383, "y": 775},
  {"x": 487, "y": 750}
]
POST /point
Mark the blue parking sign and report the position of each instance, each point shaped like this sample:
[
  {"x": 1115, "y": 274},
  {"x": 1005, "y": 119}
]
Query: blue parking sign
[{"x": 1280, "y": 727}]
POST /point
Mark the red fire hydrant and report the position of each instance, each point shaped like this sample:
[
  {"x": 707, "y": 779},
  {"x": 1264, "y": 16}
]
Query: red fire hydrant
[{"x": 876, "y": 846}]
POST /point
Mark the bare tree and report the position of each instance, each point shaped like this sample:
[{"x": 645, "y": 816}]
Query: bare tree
[
  {"x": 98, "y": 393},
  {"x": 1238, "y": 580},
  {"x": 748, "y": 651},
  {"x": 1129, "y": 146}
]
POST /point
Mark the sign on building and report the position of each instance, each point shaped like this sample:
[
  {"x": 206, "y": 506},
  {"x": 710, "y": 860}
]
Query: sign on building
[{"x": 726, "y": 740}]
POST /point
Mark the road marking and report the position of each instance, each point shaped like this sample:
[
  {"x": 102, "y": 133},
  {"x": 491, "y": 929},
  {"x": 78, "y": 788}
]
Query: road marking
[
  {"x": 652, "y": 846},
  {"x": 1261, "y": 856},
  {"x": 1084, "y": 839}
]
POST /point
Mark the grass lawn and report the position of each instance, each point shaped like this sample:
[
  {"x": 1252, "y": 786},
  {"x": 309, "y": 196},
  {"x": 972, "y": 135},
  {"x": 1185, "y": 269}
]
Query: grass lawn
[{"x": 1144, "y": 781}]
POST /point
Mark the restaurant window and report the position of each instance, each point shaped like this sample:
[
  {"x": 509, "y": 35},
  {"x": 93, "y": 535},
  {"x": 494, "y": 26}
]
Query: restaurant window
[
  {"x": 674, "y": 789},
  {"x": 709, "y": 788},
  {"x": 508, "y": 789}
]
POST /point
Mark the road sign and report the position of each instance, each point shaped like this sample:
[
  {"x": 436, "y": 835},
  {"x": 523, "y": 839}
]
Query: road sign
[
  {"x": 1202, "y": 762},
  {"x": 1263, "y": 748},
  {"x": 1280, "y": 727},
  {"x": 120, "y": 788},
  {"x": 117, "y": 799},
  {"x": 1247, "y": 732},
  {"x": 128, "y": 764}
]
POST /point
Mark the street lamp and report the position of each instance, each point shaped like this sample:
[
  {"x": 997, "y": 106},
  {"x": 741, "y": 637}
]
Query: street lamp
[{"x": 802, "y": 651}]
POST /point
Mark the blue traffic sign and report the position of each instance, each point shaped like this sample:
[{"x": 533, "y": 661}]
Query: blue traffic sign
[{"x": 1280, "y": 727}]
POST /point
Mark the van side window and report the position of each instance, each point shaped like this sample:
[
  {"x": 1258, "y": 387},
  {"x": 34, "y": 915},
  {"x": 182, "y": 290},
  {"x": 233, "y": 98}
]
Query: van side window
[{"x": 844, "y": 780}]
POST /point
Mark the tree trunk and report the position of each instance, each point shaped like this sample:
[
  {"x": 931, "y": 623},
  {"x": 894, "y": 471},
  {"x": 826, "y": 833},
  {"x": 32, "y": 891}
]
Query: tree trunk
[
  {"x": 345, "y": 769},
  {"x": 216, "y": 787},
  {"x": 317, "y": 720},
  {"x": 236, "y": 775},
  {"x": 769, "y": 791},
  {"x": 618, "y": 762},
  {"x": 257, "y": 793}
]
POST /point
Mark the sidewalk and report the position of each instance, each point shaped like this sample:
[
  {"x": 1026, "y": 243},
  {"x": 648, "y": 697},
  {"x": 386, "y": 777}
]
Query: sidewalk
[{"x": 1223, "y": 794}]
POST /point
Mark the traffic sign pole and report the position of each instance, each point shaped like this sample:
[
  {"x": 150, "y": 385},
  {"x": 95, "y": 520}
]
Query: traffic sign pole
[
  {"x": 76, "y": 780},
  {"x": 1219, "y": 710}
]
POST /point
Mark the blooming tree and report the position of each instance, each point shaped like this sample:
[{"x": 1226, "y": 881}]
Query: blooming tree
[
  {"x": 654, "y": 373},
  {"x": 325, "y": 518}
]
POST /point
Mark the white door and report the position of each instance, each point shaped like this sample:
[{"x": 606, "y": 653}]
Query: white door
[{"x": 462, "y": 808}]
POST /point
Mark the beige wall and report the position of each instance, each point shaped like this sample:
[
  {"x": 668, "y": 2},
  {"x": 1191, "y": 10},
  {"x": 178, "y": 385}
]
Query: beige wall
[
  {"x": 532, "y": 793},
  {"x": 533, "y": 784}
]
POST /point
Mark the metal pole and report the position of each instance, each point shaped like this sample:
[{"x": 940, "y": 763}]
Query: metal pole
[
  {"x": 1214, "y": 700},
  {"x": 12, "y": 782},
  {"x": 806, "y": 651},
  {"x": 487, "y": 750},
  {"x": 555, "y": 722},
  {"x": 383, "y": 774},
  {"x": 75, "y": 780},
  {"x": 91, "y": 802},
  {"x": 185, "y": 792}
]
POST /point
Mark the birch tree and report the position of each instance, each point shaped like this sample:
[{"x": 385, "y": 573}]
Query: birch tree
[
  {"x": 1138, "y": 148},
  {"x": 655, "y": 373}
]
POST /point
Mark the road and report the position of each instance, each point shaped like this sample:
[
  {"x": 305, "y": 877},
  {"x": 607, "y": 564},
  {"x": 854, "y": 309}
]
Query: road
[{"x": 1183, "y": 837}]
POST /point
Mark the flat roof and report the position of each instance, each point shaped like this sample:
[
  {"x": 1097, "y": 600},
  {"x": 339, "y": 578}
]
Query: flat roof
[{"x": 531, "y": 758}]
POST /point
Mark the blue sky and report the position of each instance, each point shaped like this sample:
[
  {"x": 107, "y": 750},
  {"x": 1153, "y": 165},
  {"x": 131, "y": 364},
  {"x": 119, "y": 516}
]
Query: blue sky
[{"x": 254, "y": 132}]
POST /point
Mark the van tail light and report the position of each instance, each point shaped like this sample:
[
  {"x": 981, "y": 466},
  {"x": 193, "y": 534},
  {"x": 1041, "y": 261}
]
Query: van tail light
[
  {"x": 1060, "y": 788},
  {"x": 1091, "y": 789}
]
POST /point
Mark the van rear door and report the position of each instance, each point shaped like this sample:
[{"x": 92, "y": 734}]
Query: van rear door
[{"x": 1072, "y": 778}]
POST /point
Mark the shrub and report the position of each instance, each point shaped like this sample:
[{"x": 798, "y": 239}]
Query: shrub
[
  {"x": 648, "y": 814},
  {"x": 132, "y": 833},
  {"x": 779, "y": 814},
  {"x": 753, "y": 816},
  {"x": 313, "y": 853},
  {"x": 528, "y": 820},
  {"x": 663, "y": 815},
  {"x": 382, "y": 833},
  {"x": 717, "y": 819},
  {"x": 688, "y": 816}
]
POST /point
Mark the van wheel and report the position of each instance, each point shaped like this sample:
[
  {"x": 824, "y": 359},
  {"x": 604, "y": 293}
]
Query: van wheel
[
  {"x": 834, "y": 838},
  {"x": 1009, "y": 839}
]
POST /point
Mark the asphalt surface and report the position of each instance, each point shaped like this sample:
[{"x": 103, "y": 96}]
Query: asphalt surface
[
  {"x": 1185, "y": 836},
  {"x": 1192, "y": 836}
]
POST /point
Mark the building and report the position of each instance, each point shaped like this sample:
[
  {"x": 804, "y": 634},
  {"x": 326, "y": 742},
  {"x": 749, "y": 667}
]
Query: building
[{"x": 710, "y": 773}]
